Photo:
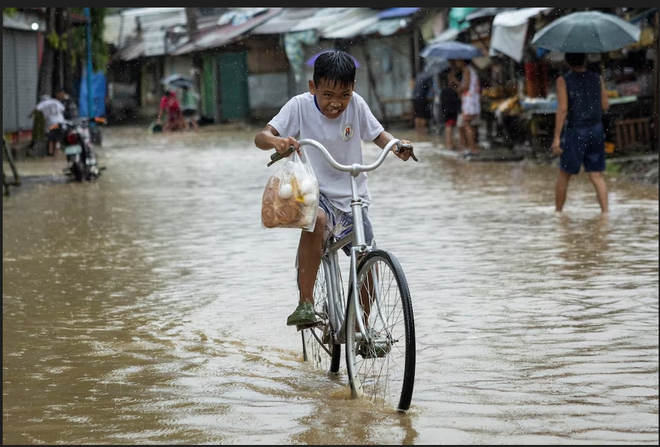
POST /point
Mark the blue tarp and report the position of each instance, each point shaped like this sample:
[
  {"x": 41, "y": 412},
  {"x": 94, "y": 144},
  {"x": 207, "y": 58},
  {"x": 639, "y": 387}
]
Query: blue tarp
[
  {"x": 98, "y": 95},
  {"x": 396, "y": 12}
]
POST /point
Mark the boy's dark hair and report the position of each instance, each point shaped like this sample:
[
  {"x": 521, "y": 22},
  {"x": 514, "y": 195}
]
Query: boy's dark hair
[
  {"x": 335, "y": 66},
  {"x": 575, "y": 60}
]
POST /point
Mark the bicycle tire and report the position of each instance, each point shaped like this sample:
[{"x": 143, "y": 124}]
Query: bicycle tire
[
  {"x": 318, "y": 346},
  {"x": 386, "y": 380}
]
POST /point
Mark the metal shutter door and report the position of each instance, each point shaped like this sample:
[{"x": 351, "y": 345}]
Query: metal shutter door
[
  {"x": 20, "y": 73},
  {"x": 9, "y": 121}
]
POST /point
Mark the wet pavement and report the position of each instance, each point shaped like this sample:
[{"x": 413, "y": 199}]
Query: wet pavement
[{"x": 149, "y": 307}]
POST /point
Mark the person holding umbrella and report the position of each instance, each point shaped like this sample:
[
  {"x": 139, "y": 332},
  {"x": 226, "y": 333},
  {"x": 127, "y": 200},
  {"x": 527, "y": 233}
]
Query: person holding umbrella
[
  {"x": 579, "y": 137},
  {"x": 581, "y": 96}
]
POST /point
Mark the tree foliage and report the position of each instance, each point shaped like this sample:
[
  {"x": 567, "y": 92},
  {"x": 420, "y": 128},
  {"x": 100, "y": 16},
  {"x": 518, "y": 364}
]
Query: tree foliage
[{"x": 100, "y": 50}]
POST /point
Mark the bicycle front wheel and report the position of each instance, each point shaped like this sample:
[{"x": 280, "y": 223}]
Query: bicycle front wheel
[
  {"x": 318, "y": 341},
  {"x": 381, "y": 366}
]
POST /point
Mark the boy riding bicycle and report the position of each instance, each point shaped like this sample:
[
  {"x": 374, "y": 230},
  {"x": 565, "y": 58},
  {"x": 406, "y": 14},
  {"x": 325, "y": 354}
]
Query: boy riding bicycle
[{"x": 333, "y": 114}]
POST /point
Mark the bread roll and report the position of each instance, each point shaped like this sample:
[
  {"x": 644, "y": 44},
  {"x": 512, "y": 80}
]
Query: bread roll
[
  {"x": 268, "y": 216},
  {"x": 288, "y": 212},
  {"x": 270, "y": 191}
]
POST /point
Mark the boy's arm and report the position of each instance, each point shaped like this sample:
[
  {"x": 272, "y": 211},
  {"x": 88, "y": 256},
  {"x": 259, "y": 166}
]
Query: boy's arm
[
  {"x": 269, "y": 138},
  {"x": 384, "y": 137}
]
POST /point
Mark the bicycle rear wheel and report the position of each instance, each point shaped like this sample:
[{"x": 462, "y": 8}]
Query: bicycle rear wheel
[
  {"x": 382, "y": 370},
  {"x": 318, "y": 346}
]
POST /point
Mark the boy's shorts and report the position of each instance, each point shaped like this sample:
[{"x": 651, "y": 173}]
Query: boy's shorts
[
  {"x": 583, "y": 146},
  {"x": 340, "y": 223}
]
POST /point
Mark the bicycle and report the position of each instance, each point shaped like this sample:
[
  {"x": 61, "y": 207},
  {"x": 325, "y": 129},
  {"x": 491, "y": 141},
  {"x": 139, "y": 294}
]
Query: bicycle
[{"x": 376, "y": 325}]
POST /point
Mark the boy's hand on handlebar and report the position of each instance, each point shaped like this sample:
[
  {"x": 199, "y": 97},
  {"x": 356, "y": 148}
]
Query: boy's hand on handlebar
[
  {"x": 283, "y": 148},
  {"x": 283, "y": 144},
  {"x": 405, "y": 151}
]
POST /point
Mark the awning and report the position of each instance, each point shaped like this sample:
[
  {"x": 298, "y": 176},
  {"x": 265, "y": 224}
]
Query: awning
[
  {"x": 486, "y": 12},
  {"x": 217, "y": 36},
  {"x": 447, "y": 35},
  {"x": 290, "y": 20},
  {"x": 351, "y": 24},
  {"x": 302, "y": 19},
  {"x": 509, "y": 30},
  {"x": 396, "y": 12}
]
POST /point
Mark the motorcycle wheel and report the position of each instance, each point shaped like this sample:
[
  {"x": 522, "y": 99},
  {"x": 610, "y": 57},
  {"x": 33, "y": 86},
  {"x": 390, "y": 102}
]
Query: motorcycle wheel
[{"x": 78, "y": 171}]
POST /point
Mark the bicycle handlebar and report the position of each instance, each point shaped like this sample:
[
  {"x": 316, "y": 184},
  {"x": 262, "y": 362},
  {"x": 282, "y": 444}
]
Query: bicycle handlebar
[{"x": 355, "y": 168}]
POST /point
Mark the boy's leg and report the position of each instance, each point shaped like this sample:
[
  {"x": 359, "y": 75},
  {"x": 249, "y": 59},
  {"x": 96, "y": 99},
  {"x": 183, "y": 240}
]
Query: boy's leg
[
  {"x": 310, "y": 248},
  {"x": 309, "y": 257}
]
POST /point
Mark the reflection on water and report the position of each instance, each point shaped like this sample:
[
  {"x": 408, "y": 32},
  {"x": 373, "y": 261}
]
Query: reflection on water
[{"x": 150, "y": 307}]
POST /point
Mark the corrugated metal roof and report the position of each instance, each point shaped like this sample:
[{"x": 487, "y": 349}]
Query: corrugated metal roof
[
  {"x": 217, "y": 36},
  {"x": 123, "y": 26},
  {"x": 330, "y": 23},
  {"x": 386, "y": 27},
  {"x": 286, "y": 21},
  {"x": 309, "y": 18},
  {"x": 338, "y": 23},
  {"x": 349, "y": 24},
  {"x": 132, "y": 51}
]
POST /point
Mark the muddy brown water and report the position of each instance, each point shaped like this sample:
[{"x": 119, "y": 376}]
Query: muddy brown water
[{"x": 150, "y": 307}]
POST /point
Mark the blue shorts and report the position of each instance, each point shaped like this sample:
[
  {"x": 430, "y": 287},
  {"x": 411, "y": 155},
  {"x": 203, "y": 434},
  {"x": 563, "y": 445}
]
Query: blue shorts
[
  {"x": 340, "y": 223},
  {"x": 583, "y": 146}
]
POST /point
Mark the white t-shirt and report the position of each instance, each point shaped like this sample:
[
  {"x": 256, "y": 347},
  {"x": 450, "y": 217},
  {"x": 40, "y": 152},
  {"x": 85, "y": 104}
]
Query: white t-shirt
[
  {"x": 300, "y": 118},
  {"x": 53, "y": 111}
]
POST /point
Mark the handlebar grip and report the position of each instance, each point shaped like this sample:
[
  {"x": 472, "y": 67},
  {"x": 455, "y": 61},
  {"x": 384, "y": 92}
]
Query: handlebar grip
[
  {"x": 404, "y": 147},
  {"x": 277, "y": 156}
]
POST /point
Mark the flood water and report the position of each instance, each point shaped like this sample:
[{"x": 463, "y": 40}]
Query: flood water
[{"x": 150, "y": 307}]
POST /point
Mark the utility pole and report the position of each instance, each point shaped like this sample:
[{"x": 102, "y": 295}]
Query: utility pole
[{"x": 89, "y": 62}]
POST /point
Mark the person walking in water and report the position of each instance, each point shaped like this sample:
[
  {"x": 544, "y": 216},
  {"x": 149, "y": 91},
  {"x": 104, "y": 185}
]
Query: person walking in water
[
  {"x": 469, "y": 88},
  {"x": 579, "y": 137},
  {"x": 189, "y": 101}
]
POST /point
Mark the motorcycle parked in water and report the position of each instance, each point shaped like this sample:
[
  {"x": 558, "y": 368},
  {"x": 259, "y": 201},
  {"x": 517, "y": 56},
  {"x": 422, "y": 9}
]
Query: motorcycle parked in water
[{"x": 80, "y": 155}]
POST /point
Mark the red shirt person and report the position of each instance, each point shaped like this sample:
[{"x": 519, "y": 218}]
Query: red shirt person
[{"x": 169, "y": 104}]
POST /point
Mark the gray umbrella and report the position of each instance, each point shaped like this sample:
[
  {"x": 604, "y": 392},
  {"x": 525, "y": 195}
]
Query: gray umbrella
[
  {"x": 586, "y": 32},
  {"x": 450, "y": 50},
  {"x": 177, "y": 80}
]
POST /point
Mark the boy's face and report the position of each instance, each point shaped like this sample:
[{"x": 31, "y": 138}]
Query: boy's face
[{"x": 332, "y": 97}]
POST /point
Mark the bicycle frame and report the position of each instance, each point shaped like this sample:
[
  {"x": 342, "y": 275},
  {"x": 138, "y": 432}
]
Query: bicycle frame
[{"x": 357, "y": 236}]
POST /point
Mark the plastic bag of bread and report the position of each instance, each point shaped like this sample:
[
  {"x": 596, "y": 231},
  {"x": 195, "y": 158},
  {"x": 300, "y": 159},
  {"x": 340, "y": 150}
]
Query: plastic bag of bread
[{"x": 291, "y": 196}]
